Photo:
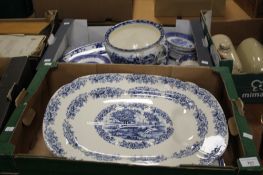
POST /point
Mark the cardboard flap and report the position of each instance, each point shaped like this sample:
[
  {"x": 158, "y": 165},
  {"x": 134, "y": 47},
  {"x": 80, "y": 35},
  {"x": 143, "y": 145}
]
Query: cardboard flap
[
  {"x": 232, "y": 126},
  {"x": 20, "y": 97},
  {"x": 21, "y": 45},
  {"x": 31, "y": 26},
  {"x": 240, "y": 106},
  {"x": 3, "y": 65},
  {"x": 29, "y": 116},
  {"x": 9, "y": 94}
]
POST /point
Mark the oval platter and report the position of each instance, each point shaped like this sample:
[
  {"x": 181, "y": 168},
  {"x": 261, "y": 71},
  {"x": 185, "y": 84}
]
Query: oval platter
[{"x": 135, "y": 119}]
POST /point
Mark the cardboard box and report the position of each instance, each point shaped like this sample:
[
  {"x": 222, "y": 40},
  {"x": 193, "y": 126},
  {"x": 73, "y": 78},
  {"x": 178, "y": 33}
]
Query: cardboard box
[
  {"x": 92, "y": 10},
  {"x": 254, "y": 8},
  {"x": 246, "y": 84},
  {"x": 75, "y": 33},
  {"x": 186, "y": 8},
  {"x": 23, "y": 148},
  {"x": 27, "y": 26},
  {"x": 17, "y": 72}
]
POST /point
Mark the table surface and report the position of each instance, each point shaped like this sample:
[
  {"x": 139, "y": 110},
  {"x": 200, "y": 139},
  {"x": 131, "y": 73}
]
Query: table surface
[{"x": 144, "y": 9}]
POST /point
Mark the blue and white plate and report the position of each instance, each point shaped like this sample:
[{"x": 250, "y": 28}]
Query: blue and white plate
[
  {"x": 180, "y": 41},
  {"x": 91, "y": 59},
  {"x": 91, "y": 53},
  {"x": 125, "y": 118}
]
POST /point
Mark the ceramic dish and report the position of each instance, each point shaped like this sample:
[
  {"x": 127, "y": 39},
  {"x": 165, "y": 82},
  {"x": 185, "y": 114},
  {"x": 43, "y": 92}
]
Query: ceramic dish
[
  {"x": 91, "y": 59},
  {"x": 180, "y": 41},
  {"x": 97, "y": 50},
  {"x": 125, "y": 118},
  {"x": 181, "y": 57},
  {"x": 135, "y": 42}
]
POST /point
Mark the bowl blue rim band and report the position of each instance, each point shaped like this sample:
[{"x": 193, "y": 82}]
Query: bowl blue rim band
[{"x": 141, "y": 21}]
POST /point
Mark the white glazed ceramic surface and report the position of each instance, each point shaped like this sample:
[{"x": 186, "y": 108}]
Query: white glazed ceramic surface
[
  {"x": 135, "y": 42},
  {"x": 126, "y": 118},
  {"x": 134, "y": 36},
  {"x": 250, "y": 52},
  {"x": 226, "y": 50}
]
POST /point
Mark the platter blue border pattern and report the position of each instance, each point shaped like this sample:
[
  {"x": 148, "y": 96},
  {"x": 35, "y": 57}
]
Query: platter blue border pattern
[
  {"x": 146, "y": 22},
  {"x": 51, "y": 113},
  {"x": 205, "y": 96},
  {"x": 107, "y": 92}
]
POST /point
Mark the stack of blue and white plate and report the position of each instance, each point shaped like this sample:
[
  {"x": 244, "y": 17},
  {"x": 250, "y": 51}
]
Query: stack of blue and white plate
[{"x": 181, "y": 47}]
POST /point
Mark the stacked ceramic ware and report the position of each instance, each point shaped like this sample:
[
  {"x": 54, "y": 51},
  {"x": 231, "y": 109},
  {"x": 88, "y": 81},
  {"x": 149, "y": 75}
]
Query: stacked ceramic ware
[
  {"x": 137, "y": 42},
  {"x": 181, "y": 47},
  {"x": 129, "y": 42}
]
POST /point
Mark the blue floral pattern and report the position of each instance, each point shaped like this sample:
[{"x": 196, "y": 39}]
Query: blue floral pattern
[
  {"x": 51, "y": 111},
  {"x": 189, "y": 150},
  {"x": 154, "y": 159},
  {"x": 69, "y": 134},
  {"x": 208, "y": 158},
  {"x": 105, "y": 78},
  {"x": 71, "y": 87},
  {"x": 141, "y": 79},
  {"x": 106, "y": 92},
  {"x": 144, "y": 92},
  {"x": 75, "y": 105},
  {"x": 148, "y": 59},
  {"x": 53, "y": 142}
]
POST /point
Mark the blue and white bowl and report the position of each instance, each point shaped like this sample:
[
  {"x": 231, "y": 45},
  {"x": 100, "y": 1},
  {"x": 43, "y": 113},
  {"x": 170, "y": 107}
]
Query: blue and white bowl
[
  {"x": 135, "y": 42},
  {"x": 180, "y": 41},
  {"x": 181, "y": 47}
]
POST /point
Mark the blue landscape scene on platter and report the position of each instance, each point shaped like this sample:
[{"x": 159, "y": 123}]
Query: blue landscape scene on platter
[{"x": 134, "y": 126}]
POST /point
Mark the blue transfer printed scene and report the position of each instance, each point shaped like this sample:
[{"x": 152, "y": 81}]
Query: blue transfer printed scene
[{"x": 136, "y": 127}]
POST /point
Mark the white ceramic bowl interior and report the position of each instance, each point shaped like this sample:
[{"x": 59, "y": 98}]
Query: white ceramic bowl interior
[{"x": 134, "y": 35}]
